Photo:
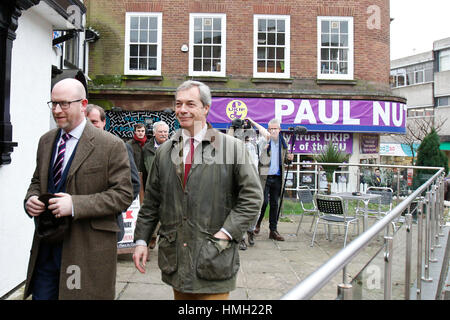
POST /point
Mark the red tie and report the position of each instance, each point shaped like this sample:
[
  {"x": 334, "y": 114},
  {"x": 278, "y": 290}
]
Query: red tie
[{"x": 189, "y": 159}]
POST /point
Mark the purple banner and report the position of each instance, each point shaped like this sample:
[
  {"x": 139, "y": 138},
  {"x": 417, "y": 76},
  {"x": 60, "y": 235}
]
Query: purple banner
[
  {"x": 314, "y": 114},
  {"x": 315, "y": 142}
]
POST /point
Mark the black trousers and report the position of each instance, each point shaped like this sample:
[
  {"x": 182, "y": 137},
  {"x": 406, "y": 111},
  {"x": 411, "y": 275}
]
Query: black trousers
[{"x": 272, "y": 192}]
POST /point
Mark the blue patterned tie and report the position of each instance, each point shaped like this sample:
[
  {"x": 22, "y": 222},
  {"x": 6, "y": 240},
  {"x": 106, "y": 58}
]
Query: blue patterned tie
[{"x": 58, "y": 166}]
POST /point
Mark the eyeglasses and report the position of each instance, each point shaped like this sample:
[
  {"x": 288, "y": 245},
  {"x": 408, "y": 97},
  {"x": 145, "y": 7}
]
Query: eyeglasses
[{"x": 62, "y": 104}]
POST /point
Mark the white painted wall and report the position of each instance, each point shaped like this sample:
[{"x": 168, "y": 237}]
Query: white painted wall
[{"x": 30, "y": 90}]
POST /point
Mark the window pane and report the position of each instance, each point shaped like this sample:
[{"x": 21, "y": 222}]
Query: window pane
[
  {"x": 134, "y": 50},
  {"x": 333, "y": 67},
  {"x": 344, "y": 27},
  {"x": 271, "y": 39},
  {"x": 207, "y": 52},
  {"x": 153, "y": 23},
  {"x": 344, "y": 40},
  {"x": 134, "y": 22},
  {"x": 198, "y": 24},
  {"x": 419, "y": 76},
  {"x": 134, "y": 36},
  {"x": 410, "y": 78},
  {"x": 197, "y": 65},
  {"x": 151, "y": 63},
  {"x": 142, "y": 50},
  {"x": 280, "y": 39},
  {"x": 217, "y": 26},
  {"x": 271, "y": 24},
  {"x": 280, "y": 53},
  {"x": 217, "y": 52},
  {"x": 334, "y": 54},
  {"x": 325, "y": 40},
  {"x": 143, "y": 64},
  {"x": 207, "y": 37},
  {"x": 325, "y": 26},
  {"x": 325, "y": 67},
  {"x": 261, "y": 38},
  {"x": 197, "y": 51},
  {"x": 271, "y": 53},
  {"x": 343, "y": 55},
  {"x": 207, "y": 24},
  {"x": 143, "y": 36},
  {"x": 216, "y": 65},
  {"x": 343, "y": 68},
  {"x": 400, "y": 81},
  {"x": 428, "y": 75},
  {"x": 261, "y": 65},
  {"x": 198, "y": 37},
  {"x": 280, "y": 66},
  {"x": 325, "y": 54},
  {"x": 334, "y": 26},
  {"x": 206, "y": 65},
  {"x": 261, "y": 24},
  {"x": 270, "y": 66},
  {"x": 152, "y": 50},
  {"x": 217, "y": 38},
  {"x": 280, "y": 26},
  {"x": 133, "y": 63},
  {"x": 143, "y": 23},
  {"x": 334, "y": 40},
  {"x": 153, "y": 37},
  {"x": 261, "y": 53}
]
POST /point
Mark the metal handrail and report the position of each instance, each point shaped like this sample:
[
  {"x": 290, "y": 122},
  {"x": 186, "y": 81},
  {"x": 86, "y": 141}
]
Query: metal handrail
[{"x": 315, "y": 281}]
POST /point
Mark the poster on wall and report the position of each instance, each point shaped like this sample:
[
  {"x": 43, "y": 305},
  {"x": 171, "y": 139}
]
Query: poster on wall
[
  {"x": 121, "y": 123},
  {"x": 314, "y": 142},
  {"x": 369, "y": 143},
  {"x": 129, "y": 222}
]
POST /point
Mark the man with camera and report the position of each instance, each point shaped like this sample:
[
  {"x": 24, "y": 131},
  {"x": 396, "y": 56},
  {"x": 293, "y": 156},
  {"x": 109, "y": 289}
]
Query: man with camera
[{"x": 273, "y": 155}]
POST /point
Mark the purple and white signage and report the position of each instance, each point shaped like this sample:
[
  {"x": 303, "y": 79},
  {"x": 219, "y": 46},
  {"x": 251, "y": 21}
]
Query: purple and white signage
[
  {"x": 312, "y": 143},
  {"x": 314, "y": 114}
]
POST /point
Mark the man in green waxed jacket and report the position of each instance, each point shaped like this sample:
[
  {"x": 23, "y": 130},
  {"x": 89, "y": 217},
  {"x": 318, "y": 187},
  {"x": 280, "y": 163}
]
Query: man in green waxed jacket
[{"x": 205, "y": 192}]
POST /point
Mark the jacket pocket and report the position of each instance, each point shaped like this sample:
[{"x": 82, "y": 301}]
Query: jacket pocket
[
  {"x": 167, "y": 256},
  {"x": 216, "y": 261},
  {"x": 105, "y": 225}
]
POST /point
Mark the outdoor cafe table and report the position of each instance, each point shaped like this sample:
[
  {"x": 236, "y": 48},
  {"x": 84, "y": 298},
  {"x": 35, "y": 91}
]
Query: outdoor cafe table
[{"x": 364, "y": 197}]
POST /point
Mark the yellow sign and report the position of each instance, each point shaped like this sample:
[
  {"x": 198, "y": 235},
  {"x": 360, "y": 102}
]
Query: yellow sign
[{"x": 236, "y": 109}]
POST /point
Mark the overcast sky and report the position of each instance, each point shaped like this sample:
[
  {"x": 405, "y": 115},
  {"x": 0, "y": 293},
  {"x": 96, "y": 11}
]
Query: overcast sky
[{"x": 417, "y": 23}]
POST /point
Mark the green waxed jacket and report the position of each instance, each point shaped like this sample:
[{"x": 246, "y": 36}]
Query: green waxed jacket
[{"x": 222, "y": 191}]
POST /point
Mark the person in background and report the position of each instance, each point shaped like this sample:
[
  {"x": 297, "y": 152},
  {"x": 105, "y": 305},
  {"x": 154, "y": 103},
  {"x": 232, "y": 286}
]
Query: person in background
[
  {"x": 160, "y": 135},
  {"x": 137, "y": 143},
  {"x": 97, "y": 116}
]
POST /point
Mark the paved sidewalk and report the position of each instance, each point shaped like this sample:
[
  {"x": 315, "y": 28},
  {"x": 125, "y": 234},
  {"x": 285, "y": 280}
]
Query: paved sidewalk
[{"x": 268, "y": 270}]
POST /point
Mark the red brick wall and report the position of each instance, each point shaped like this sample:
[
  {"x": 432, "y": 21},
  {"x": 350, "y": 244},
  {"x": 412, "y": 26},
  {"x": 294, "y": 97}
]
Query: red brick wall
[{"x": 371, "y": 47}]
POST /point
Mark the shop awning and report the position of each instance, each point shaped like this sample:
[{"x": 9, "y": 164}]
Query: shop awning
[{"x": 445, "y": 146}]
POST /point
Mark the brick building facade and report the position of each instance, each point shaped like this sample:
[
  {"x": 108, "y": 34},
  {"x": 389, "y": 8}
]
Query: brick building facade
[{"x": 330, "y": 51}]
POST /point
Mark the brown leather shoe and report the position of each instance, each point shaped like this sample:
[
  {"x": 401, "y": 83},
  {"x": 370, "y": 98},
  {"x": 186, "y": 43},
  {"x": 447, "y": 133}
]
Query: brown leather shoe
[
  {"x": 257, "y": 228},
  {"x": 274, "y": 235}
]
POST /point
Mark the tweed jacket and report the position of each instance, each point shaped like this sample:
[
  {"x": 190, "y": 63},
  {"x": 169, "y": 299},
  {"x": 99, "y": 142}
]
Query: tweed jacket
[
  {"x": 100, "y": 185},
  {"x": 222, "y": 190}
]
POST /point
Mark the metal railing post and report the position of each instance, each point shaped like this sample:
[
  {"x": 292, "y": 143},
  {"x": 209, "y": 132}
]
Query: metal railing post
[
  {"x": 408, "y": 218},
  {"x": 433, "y": 224},
  {"x": 441, "y": 211},
  {"x": 419, "y": 248},
  {"x": 426, "y": 276},
  {"x": 388, "y": 267},
  {"x": 345, "y": 290}
]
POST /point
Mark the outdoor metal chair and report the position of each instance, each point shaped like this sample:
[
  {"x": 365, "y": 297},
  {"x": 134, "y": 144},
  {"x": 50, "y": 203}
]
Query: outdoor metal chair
[
  {"x": 384, "y": 203},
  {"x": 306, "y": 199},
  {"x": 332, "y": 212}
]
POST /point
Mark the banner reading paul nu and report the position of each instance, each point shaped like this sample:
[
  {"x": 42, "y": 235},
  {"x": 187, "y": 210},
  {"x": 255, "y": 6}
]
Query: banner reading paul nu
[{"x": 314, "y": 114}]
